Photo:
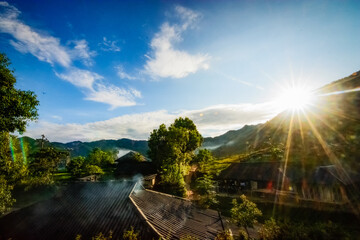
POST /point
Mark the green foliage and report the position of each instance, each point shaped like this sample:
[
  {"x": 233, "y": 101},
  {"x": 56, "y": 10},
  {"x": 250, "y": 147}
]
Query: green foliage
[
  {"x": 205, "y": 186},
  {"x": 177, "y": 189},
  {"x": 76, "y": 165},
  {"x": 243, "y": 235},
  {"x": 12, "y": 163},
  {"x": 138, "y": 157},
  {"x": 93, "y": 169},
  {"x": 131, "y": 234},
  {"x": 6, "y": 199},
  {"x": 244, "y": 214},
  {"x": 224, "y": 235},
  {"x": 204, "y": 160},
  {"x": 45, "y": 161},
  {"x": 102, "y": 236},
  {"x": 16, "y": 106},
  {"x": 42, "y": 166},
  {"x": 100, "y": 158},
  {"x": 270, "y": 230},
  {"x": 171, "y": 150},
  {"x": 188, "y": 237}
]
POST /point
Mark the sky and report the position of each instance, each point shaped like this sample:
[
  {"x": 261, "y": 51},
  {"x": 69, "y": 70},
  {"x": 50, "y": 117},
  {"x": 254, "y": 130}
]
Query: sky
[{"x": 119, "y": 69}]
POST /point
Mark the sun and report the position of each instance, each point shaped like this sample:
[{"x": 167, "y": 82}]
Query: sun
[{"x": 295, "y": 98}]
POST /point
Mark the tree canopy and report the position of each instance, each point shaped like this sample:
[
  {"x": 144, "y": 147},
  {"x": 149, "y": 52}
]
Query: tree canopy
[
  {"x": 172, "y": 149},
  {"x": 245, "y": 214},
  {"x": 16, "y": 106}
]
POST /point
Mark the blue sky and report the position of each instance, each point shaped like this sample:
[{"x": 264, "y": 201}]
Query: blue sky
[{"x": 115, "y": 69}]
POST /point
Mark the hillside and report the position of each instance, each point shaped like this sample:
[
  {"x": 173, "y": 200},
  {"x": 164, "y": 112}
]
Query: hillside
[
  {"x": 79, "y": 148},
  {"x": 326, "y": 133}
]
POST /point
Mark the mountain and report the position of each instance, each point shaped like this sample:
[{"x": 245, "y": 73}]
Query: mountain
[
  {"x": 231, "y": 143},
  {"x": 79, "y": 148},
  {"x": 326, "y": 133}
]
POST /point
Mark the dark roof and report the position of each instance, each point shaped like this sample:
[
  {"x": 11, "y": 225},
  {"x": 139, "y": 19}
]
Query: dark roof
[
  {"x": 329, "y": 175},
  {"x": 82, "y": 208},
  {"x": 131, "y": 156},
  {"x": 174, "y": 217},
  {"x": 131, "y": 168},
  {"x": 256, "y": 171}
]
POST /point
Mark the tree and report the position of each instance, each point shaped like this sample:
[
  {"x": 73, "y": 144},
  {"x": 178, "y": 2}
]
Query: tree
[
  {"x": 16, "y": 106},
  {"x": 76, "y": 166},
  {"x": 203, "y": 159},
  {"x": 171, "y": 150},
  {"x": 245, "y": 214},
  {"x": 43, "y": 164},
  {"x": 205, "y": 186},
  {"x": 93, "y": 169},
  {"x": 100, "y": 158}
]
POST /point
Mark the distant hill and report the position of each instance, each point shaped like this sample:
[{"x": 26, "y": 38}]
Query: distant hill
[
  {"x": 79, "y": 148},
  {"x": 231, "y": 143}
]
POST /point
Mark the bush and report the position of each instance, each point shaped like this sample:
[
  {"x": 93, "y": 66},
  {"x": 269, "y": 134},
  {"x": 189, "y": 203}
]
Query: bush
[{"x": 224, "y": 235}]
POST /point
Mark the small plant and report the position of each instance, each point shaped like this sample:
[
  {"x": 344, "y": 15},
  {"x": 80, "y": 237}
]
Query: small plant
[
  {"x": 245, "y": 214},
  {"x": 224, "y": 235},
  {"x": 101, "y": 236},
  {"x": 131, "y": 234},
  {"x": 270, "y": 230}
]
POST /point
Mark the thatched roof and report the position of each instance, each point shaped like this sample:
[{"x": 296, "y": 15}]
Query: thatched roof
[{"x": 175, "y": 218}]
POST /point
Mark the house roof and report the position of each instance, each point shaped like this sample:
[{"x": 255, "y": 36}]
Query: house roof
[
  {"x": 82, "y": 208},
  {"x": 174, "y": 218},
  {"x": 329, "y": 175},
  {"x": 256, "y": 171}
]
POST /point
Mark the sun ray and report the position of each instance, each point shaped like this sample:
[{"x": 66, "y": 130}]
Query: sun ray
[{"x": 333, "y": 159}]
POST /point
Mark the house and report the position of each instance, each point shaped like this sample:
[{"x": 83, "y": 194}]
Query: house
[
  {"x": 148, "y": 181},
  {"x": 86, "y": 208},
  {"x": 328, "y": 184},
  {"x": 174, "y": 217},
  {"x": 133, "y": 163},
  {"x": 253, "y": 176},
  {"x": 90, "y": 208}
]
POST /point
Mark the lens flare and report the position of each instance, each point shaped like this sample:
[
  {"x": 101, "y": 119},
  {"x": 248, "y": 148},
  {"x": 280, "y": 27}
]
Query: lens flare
[
  {"x": 12, "y": 150},
  {"x": 295, "y": 98},
  {"x": 23, "y": 150}
]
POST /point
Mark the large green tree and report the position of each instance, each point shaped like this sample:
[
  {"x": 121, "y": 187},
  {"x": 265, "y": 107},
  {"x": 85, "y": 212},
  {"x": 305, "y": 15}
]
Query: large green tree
[
  {"x": 171, "y": 150},
  {"x": 16, "y": 108}
]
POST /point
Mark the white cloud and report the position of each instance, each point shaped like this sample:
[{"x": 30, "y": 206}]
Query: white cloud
[
  {"x": 108, "y": 45},
  {"x": 48, "y": 49},
  {"x": 80, "y": 78},
  {"x": 166, "y": 61},
  {"x": 27, "y": 40},
  {"x": 83, "y": 52},
  {"x": 113, "y": 95},
  {"x": 96, "y": 90},
  {"x": 122, "y": 74},
  {"x": 211, "y": 121}
]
